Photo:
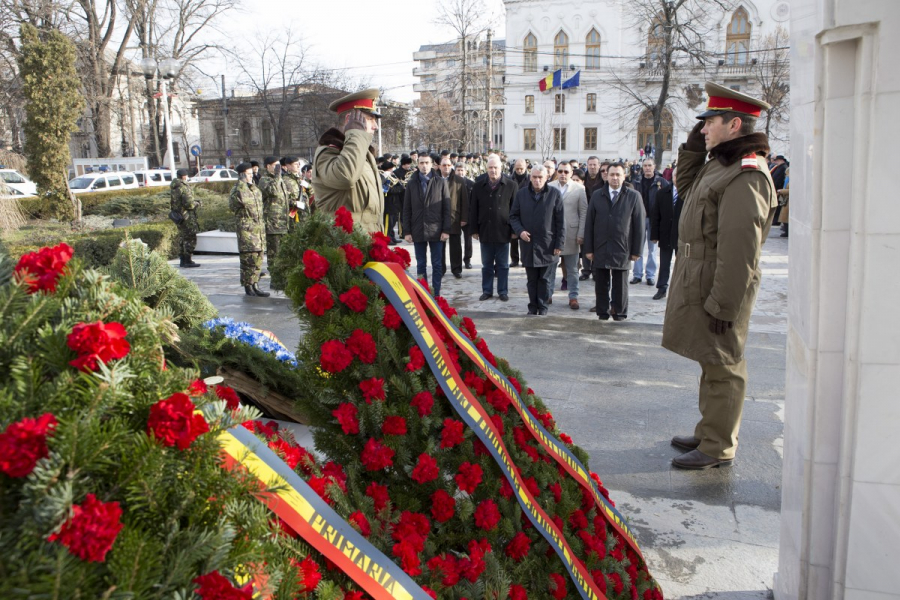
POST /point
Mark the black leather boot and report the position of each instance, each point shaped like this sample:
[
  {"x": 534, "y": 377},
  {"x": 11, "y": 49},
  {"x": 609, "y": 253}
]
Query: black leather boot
[
  {"x": 248, "y": 289},
  {"x": 259, "y": 292},
  {"x": 187, "y": 263}
]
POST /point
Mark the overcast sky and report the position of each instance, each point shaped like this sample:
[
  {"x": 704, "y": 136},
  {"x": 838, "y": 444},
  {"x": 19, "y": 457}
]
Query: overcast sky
[{"x": 369, "y": 39}]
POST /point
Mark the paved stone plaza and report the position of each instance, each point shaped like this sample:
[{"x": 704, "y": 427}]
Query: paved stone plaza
[{"x": 622, "y": 397}]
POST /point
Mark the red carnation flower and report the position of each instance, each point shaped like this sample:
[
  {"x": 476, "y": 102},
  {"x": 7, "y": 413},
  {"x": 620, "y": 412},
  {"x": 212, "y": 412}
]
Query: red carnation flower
[
  {"x": 335, "y": 357},
  {"x": 452, "y": 434},
  {"x": 578, "y": 520},
  {"x": 355, "y": 299},
  {"x": 423, "y": 402},
  {"x": 409, "y": 557},
  {"x": 469, "y": 477},
  {"x": 353, "y": 255},
  {"x": 616, "y": 580},
  {"x": 362, "y": 523},
  {"x": 336, "y": 473},
  {"x": 97, "y": 343},
  {"x": 197, "y": 388},
  {"x": 416, "y": 359},
  {"x": 506, "y": 490},
  {"x": 318, "y": 485},
  {"x": 473, "y": 566},
  {"x": 394, "y": 426},
  {"x": 41, "y": 270},
  {"x": 483, "y": 348},
  {"x": 423, "y": 281},
  {"x": 378, "y": 493},
  {"x": 426, "y": 468},
  {"x": 362, "y": 345},
  {"x": 412, "y": 527},
  {"x": 293, "y": 455},
  {"x": 517, "y": 592},
  {"x": 343, "y": 219},
  {"x": 556, "y": 489},
  {"x": 497, "y": 420},
  {"x": 515, "y": 383},
  {"x": 565, "y": 438},
  {"x": 214, "y": 586},
  {"x": 353, "y": 595},
  {"x": 391, "y": 318},
  {"x": 376, "y": 456},
  {"x": 401, "y": 257},
  {"x": 372, "y": 389},
  {"x": 173, "y": 422},
  {"x": 448, "y": 566},
  {"x": 429, "y": 591},
  {"x": 91, "y": 530},
  {"x": 315, "y": 266},
  {"x": 232, "y": 401},
  {"x": 24, "y": 443},
  {"x": 468, "y": 326},
  {"x": 474, "y": 382},
  {"x": 445, "y": 307},
  {"x": 531, "y": 485},
  {"x": 345, "y": 414},
  {"x": 487, "y": 515},
  {"x": 518, "y": 547},
  {"x": 600, "y": 579},
  {"x": 308, "y": 570},
  {"x": 267, "y": 430},
  {"x": 318, "y": 299},
  {"x": 557, "y": 586},
  {"x": 443, "y": 506},
  {"x": 499, "y": 400}
]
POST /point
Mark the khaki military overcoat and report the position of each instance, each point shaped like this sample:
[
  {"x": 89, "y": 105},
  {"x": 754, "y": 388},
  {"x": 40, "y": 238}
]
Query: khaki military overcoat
[{"x": 345, "y": 174}]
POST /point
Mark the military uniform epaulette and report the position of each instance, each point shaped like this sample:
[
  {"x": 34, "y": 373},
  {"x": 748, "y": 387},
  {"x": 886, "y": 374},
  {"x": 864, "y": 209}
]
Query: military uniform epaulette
[{"x": 749, "y": 162}]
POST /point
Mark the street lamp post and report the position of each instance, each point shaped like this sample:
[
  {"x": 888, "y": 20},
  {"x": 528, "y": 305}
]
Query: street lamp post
[{"x": 166, "y": 69}]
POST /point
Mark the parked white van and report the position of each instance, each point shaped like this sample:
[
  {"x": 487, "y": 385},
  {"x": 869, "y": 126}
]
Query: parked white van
[
  {"x": 21, "y": 185},
  {"x": 154, "y": 177},
  {"x": 101, "y": 182}
]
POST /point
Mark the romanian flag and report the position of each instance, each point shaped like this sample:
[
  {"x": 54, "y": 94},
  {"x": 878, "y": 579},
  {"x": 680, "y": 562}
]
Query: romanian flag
[{"x": 551, "y": 81}]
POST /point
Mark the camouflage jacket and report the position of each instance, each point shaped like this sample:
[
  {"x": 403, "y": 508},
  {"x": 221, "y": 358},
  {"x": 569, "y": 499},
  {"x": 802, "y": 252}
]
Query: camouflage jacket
[
  {"x": 297, "y": 199},
  {"x": 247, "y": 205},
  {"x": 275, "y": 203},
  {"x": 182, "y": 201}
]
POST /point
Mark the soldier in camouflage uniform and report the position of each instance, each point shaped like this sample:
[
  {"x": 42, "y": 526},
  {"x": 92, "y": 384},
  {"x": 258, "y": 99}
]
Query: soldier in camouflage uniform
[
  {"x": 275, "y": 206},
  {"x": 182, "y": 202},
  {"x": 298, "y": 203},
  {"x": 247, "y": 205}
]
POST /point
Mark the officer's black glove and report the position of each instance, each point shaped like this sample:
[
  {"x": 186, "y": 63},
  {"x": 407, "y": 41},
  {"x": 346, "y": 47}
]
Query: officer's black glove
[
  {"x": 718, "y": 326},
  {"x": 696, "y": 142}
]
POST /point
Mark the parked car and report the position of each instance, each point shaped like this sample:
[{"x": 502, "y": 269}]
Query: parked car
[
  {"x": 154, "y": 177},
  {"x": 217, "y": 174},
  {"x": 101, "y": 182},
  {"x": 16, "y": 181}
]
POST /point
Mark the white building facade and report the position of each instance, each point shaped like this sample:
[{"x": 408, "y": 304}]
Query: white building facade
[{"x": 599, "y": 41}]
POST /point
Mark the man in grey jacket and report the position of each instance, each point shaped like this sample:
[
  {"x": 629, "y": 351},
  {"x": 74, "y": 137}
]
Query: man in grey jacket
[
  {"x": 426, "y": 220},
  {"x": 613, "y": 236}
]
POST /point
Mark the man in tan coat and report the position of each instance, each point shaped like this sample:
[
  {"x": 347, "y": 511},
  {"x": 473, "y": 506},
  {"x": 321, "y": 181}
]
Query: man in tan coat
[
  {"x": 344, "y": 169},
  {"x": 729, "y": 204}
]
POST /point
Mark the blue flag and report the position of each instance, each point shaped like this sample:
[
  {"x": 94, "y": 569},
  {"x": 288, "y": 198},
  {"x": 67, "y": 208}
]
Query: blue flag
[{"x": 573, "y": 81}]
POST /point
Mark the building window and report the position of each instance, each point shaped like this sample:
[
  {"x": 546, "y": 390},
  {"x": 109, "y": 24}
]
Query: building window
[
  {"x": 592, "y": 51},
  {"x": 590, "y": 104},
  {"x": 590, "y": 138},
  {"x": 529, "y": 105},
  {"x": 647, "y": 134},
  {"x": 220, "y": 136},
  {"x": 266, "y": 133},
  {"x": 561, "y": 51},
  {"x": 560, "y": 103},
  {"x": 559, "y": 138},
  {"x": 176, "y": 152},
  {"x": 656, "y": 41},
  {"x": 530, "y": 139},
  {"x": 245, "y": 134},
  {"x": 498, "y": 129},
  {"x": 530, "y": 53},
  {"x": 737, "y": 38}
]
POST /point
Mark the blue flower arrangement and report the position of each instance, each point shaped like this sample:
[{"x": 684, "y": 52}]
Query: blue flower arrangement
[{"x": 244, "y": 333}]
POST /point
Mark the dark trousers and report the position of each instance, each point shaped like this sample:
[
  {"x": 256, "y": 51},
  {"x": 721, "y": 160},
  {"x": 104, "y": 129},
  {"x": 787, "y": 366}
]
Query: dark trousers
[
  {"x": 494, "y": 259},
  {"x": 537, "y": 289},
  {"x": 665, "y": 264},
  {"x": 514, "y": 252},
  {"x": 392, "y": 208},
  {"x": 467, "y": 252},
  {"x": 586, "y": 263},
  {"x": 619, "y": 301},
  {"x": 437, "y": 268},
  {"x": 456, "y": 253}
]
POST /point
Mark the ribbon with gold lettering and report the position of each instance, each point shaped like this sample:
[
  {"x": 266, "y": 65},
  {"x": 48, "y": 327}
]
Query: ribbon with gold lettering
[
  {"x": 400, "y": 292},
  {"x": 559, "y": 452},
  {"x": 291, "y": 498}
]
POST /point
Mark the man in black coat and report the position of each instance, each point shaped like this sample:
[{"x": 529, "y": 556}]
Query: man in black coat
[
  {"x": 613, "y": 236},
  {"x": 490, "y": 202},
  {"x": 664, "y": 216},
  {"x": 537, "y": 218},
  {"x": 522, "y": 178},
  {"x": 459, "y": 215},
  {"x": 426, "y": 220},
  {"x": 467, "y": 229}
]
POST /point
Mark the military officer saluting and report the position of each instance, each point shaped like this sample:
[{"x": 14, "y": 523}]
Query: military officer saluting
[
  {"x": 275, "y": 206},
  {"x": 182, "y": 202},
  {"x": 246, "y": 203},
  {"x": 344, "y": 169},
  {"x": 290, "y": 176},
  {"x": 729, "y": 204}
]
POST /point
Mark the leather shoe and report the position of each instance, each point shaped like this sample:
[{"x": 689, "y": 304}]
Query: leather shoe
[
  {"x": 542, "y": 312},
  {"x": 458, "y": 275},
  {"x": 603, "y": 317},
  {"x": 584, "y": 277},
  {"x": 593, "y": 309},
  {"x": 484, "y": 297},
  {"x": 697, "y": 461},
  {"x": 573, "y": 304},
  {"x": 468, "y": 265},
  {"x": 513, "y": 264},
  {"x": 635, "y": 280},
  {"x": 687, "y": 442},
  {"x": 504, "y": 298},
  {"x": 649, "y": 281},
  {"x": 618, "y": 318},
  {"x": 659, "y": 295}
]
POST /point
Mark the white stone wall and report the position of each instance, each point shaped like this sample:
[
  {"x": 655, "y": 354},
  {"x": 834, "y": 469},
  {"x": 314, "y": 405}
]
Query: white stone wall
[{"x": 840, "y": 523}]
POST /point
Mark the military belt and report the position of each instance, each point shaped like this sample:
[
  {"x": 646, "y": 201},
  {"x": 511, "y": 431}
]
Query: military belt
[{"x": 696, "y": 252}]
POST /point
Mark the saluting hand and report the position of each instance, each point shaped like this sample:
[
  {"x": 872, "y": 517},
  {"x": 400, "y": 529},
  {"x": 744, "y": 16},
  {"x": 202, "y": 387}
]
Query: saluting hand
[
  {"x": 355, "y": 120},
  {"x": 696, "y": 141}
]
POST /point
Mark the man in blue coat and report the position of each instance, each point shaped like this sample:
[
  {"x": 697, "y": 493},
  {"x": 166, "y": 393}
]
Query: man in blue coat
[{"x": 537, "y": 218}]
